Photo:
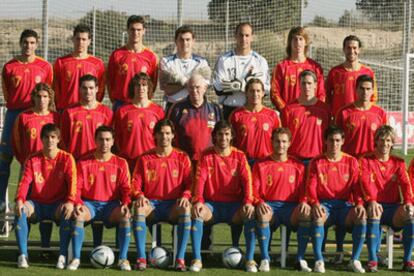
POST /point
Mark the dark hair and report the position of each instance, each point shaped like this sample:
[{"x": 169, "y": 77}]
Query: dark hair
[
  {"x": 182, "y": 30},
  {"x": 163, "y": 123},
  {"x": 306, "y": 73},
  {"x": 44, "y": 87},
  {"x": 48, "y": 128},
  {"x": 297, "y": 31},
  {"x": 28, "y": 33},
  {"x": 332, "y": 130},
  {"x": 364, "y": 78},
  {"x": 352, "y": 38},
  {"x": 242, "y": 24},
  {"x": 139, "y": 79},
  {"x": 82, "y": 28},
  {"x": 104, "y": 128},
  {"x": 88, "y": 77},
  {"x": 223, "y": 124},
  {"x": 282, "y": 130},
  {"x": 135, "y": 19},
  {"x": 253, "y": 81}
]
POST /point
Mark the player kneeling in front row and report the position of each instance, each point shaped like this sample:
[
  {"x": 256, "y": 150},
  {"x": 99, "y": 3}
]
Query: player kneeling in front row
[
  {"x": 223, "y": 193},
  {"x": 161, "y": 187},
  {"x": 50, "y": 175},
  {"x": 334, "y": 193},
  {"x": 278, "y": 181},
  {"x": 389, "y": 196},
  {"x": 103, "y": 195}
]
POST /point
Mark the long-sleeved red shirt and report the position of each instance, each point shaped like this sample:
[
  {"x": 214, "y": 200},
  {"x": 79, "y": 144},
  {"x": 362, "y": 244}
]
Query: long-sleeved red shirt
[
  {"x": 254, "y": 131},
  {"x": 103, "y": 181},
  {"x": 359, "y": 127},
  {"x": 123, "y": 65},
  {"x": 162, "y": 177},
  {"x": 68, "y": 70},
  {"x": 279, "y": 181},
  {"x": 285, "y": 83},
  {"x": 20, "y": 78},
  {"x": 223, "y": 178},
  {"x": 333, "y": 180},
  {"x": 78, "y": 125},
  {"x": 26, "y": 133},
  {"x": 385, "y": 182},
  {"x": 49, "y": 180}
]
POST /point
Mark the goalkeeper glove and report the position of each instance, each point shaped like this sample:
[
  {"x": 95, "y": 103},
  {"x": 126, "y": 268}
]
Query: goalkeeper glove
[
  {"x": 229, "y": 87},
  {"x": 250, "y": 75}
]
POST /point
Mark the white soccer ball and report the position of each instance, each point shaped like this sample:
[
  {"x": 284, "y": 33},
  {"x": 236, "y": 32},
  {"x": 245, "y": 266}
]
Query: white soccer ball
[
  {"x": 232, "y": 257},
  {"x": 160, "y": 257},
  {"x": 102, "y": 257}
]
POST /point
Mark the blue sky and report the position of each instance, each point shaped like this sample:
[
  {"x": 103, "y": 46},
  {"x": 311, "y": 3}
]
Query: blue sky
[{"x": 195, "y": 9}]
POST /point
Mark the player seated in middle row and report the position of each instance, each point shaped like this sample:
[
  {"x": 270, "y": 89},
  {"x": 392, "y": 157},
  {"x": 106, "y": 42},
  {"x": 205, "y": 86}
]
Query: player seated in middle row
[
  {"x": 103, "y": 194},
  {"x": 161, "y": 190}
]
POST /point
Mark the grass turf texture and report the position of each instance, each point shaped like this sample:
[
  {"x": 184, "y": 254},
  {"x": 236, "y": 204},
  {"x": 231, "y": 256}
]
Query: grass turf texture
[{"x": 212, "y": 262}]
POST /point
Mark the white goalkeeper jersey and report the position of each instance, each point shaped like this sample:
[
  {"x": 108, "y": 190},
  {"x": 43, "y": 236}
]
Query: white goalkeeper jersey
[
  {"x": 230, "y": 66},
  {"x": 173, "y": 65}
]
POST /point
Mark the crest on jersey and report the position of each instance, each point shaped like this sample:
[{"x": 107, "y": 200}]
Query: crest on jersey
[
  {"x": 113, "y": 177},
  {"x": 346, "y": 177},
  {"x": 374, "y": 126},
  {"x": 394, "y": 177},
  {"x": 211, "y": 116},
  {"x": 38, "y": 79},
  {"x": 152, "y": 125},
  {"x": 319, "y": 122},
  {"x": 291, "y": 179},
  {"x": 144, "y": 69},
  {"x": 234, "y": 172},
  {"x": 185, "y": 111},
  {"x": 175, "y": 173},
  {"x": 266, "y": 126}
]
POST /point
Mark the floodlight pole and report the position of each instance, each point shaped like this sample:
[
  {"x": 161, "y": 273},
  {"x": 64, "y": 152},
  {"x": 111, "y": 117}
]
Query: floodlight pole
[{"x": 179, "y": 13}]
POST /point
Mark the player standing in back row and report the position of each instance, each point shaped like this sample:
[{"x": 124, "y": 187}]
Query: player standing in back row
[
  {"x": 129, "y": 60},
  {"x": 236, "y": 67},
  {"x": 285, "y": 78}
]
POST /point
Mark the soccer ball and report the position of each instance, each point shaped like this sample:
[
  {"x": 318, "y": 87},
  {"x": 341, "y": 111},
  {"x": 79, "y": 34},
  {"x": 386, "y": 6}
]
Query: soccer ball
[
  {"x": 160, "y": 257},
  {"x": 232, "y": 257},
  {"x": 102, "y": 257}
]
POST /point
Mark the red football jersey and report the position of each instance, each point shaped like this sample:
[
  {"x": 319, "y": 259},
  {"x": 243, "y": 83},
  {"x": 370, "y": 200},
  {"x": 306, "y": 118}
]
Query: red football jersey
[
  {"x": 124, "y": 65},
  {"x": 134, "y": 127},
  {"x": 26, "y": 133},
  {"x": 162, "y": 177},
  {"x": 333, "y": 180},
  {"x": 49, "y": 180},
  {"x": 285, "y": 85},
  {"x": 385, "y": 182},
  {"x": 223, "y": 178},
  {"x": 68, "y": 70},
  {"x": 307, "y": 124},
  {"x": 341, "y": 86},
  {"x": 254, "y": 131},
  {"x": 360, "y": 126},
  {"x": 19, "y": 79},
  {"x": 79, "y": 125},
  {"x": 103, "y": 181},
  {"x": 411, "y": 171},
  {"x": 279, "y": 181}
]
